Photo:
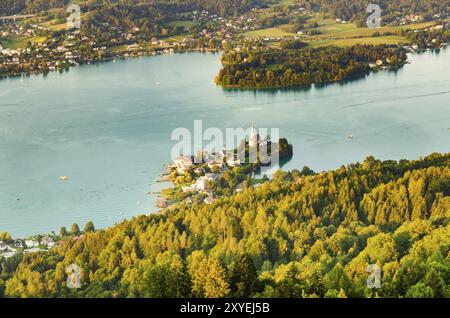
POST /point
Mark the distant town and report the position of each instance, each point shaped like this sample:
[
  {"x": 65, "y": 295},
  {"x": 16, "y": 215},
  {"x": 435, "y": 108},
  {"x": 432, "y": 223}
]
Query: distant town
[{"x": 42, "y": 43}]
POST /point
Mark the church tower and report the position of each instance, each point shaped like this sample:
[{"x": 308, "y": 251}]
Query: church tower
[{"x": 253, "y": 139}]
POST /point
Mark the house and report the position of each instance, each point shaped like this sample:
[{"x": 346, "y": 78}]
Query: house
[
  {"x": 209, "y": 200},
  {"x": 183, "y": 163},
  {"x": 133, "y": 46},
  {"x": 234, "y": 162},
  {"x": 33, "y": 250},
  {"x": 200, "y": 170},
  {"x": 204, "y": 183},
  {"x": 31, "y": 243},
  {"x": 18, "y": 244},
  {"x": 240, "y": 188},
  {"x": 216, "y": 160},
  {"x": 48, "y": 241},
  {"x": 3, "y": 246},
  {"x": 189, "y": 188}
]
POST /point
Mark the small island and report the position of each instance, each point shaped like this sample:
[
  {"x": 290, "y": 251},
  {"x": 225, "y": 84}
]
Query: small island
[{"x": 206, "y": 176}]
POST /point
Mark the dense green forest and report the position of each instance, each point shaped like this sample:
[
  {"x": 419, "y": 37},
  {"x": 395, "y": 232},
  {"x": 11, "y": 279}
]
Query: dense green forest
[
  {"x": 356, "y": 9},
  {"x": 302, "y": 234},
  {"x": 291, "y": 67},
  {"x": 223, "y": 7}
]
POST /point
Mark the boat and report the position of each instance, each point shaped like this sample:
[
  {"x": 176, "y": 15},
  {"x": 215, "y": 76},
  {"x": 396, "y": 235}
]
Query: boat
[{"x": 64, "y": 178}]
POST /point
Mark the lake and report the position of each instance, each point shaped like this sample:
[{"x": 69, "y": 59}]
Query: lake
[{"x": 108, "y": 127}]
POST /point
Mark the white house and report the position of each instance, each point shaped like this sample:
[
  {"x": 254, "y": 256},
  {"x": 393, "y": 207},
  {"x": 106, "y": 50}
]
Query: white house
[
  {"x": 31, "y": 243},
  {"x": 47, "y": 241},
  {"x": 183, "y": 163},
  {"x": 209, "y": 200}
]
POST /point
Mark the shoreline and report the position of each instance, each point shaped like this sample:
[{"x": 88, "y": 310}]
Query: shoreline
[
  {"x": 106, "y": 60},
  {"x": 210, "y": 51}
]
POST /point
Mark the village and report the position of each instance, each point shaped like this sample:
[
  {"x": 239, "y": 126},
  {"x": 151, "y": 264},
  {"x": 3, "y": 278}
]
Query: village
[
  {"x": 11, "y": 247},
  {"x": 34, "y": 48},
  {"x": 31, "y": 45},
  {"x": 207, "y": 176}
]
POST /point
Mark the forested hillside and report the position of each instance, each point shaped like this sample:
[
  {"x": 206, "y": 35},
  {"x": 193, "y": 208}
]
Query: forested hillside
[
  {"x": 223, "y": 7},
  {"x": 300, "y": 235}
]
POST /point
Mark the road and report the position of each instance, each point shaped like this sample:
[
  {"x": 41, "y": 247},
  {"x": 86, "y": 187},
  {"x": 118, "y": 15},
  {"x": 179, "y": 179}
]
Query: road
[{"x": 19, "y": 16}]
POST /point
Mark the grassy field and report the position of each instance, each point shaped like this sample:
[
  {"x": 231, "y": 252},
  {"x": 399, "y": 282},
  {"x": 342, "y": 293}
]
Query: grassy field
[
  {"x": 282, "y": 2},
  {"x": 181, "y": 23},
  {"x": 279, "y": 31},
  {"x": 175, "y": 38},
  {"x": 118, "y": 49},
  {"x": 349, "y": 30},
  {"x": 60, "y": 24},
  {"x": 21, "y": 42},
  {"x": 341, "y": 34},
  {"x": 353, "y": 41},
  {"x": 54, "y": 25}
]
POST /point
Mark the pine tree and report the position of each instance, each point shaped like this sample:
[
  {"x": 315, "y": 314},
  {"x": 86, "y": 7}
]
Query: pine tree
[
  {"x": 216, "y": 284},
  {"x": 89, "y": 227},
  {"x": 243, "y": 277},
  {"x": 75, "y": 229}
]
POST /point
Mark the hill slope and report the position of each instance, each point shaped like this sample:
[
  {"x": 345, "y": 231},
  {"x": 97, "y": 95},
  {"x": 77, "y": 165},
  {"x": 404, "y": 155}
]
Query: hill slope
[{"x": 299, "y": 235}]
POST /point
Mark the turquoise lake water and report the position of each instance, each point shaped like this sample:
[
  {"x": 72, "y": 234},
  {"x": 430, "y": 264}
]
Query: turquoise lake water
[{"x": 108, "y": 128}]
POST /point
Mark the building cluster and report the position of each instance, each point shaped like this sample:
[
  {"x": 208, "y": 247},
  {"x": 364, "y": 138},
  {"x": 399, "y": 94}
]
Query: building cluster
[
  {"x": 11, "y": 248},
  {"x": 209, "y": 167}
]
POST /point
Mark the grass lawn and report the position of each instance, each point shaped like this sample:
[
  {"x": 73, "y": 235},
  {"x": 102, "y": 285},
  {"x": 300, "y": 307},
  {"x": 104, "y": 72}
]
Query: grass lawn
[
  {"x": 181, "y": 23},
  {"x": 350, "y": 30},
  {"x": 175, "y": 38},
  {"x": 60, "y": 24},
  {"x": 21, "y": 42},
  {"x": 279, "y": 31},
  {"x": 353, "y": 41},
  {"x": 54, "y": 25},
  {"x": 118, "y": 49},
  {"x": 347, "y": 34},
  {"x": 282, "y": 2}
]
